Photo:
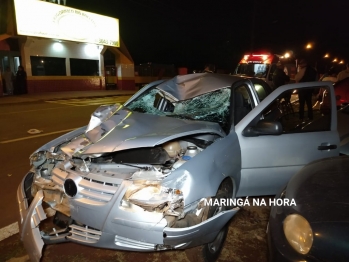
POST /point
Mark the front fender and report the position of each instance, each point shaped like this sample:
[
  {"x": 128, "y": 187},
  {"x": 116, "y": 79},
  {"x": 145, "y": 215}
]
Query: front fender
[
  {"x": 200, "y": 234},
  {"x": 64, "y": 138}
]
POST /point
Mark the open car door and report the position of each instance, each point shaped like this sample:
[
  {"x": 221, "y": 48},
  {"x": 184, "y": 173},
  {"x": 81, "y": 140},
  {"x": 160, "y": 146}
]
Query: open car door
[{"x": 275, "y": 143}]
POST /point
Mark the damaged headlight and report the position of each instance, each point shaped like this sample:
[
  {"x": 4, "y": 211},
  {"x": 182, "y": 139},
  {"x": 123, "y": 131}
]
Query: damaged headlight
[
  {"x": 152, "y": 196},
  {"x": 37, "y": 158}
]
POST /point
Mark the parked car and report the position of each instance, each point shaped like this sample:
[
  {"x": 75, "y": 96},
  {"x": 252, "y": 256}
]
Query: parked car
[
  {"x": 317, "y": 227},
  {"x": 159, "y": 172},
  {"x": 341, "y": 90}
]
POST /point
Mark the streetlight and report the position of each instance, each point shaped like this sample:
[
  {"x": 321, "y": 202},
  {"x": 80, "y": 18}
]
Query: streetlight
[
  {"x": 309, "y": 46},
  {"x": 326, "y": 56}
]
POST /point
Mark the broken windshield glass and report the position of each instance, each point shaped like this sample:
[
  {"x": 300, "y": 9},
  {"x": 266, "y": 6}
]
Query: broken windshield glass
[{"x": 213, "y": 106}]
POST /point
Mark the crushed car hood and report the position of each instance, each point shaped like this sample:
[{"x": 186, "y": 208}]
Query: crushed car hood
[{"x": 128, "y": 130}]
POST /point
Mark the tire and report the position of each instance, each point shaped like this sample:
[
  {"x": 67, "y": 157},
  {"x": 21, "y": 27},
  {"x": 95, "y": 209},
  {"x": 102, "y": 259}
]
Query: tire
[{"x": 210, "y": 252}]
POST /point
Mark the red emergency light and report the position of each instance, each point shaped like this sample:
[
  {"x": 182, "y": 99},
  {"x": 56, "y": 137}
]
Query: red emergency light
[{"x": 263, "y": 58}]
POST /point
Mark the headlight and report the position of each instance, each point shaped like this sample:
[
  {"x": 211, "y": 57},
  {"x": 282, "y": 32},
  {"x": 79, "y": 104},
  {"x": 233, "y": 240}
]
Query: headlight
[
  {"x": 37, "y": 158},
  {"x": 298, "y": 233},
  {"x": 152, "y": 196}
]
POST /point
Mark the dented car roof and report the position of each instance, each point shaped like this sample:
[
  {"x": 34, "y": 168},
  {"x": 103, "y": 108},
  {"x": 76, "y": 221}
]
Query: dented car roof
[{"x": 184, "y": 87}]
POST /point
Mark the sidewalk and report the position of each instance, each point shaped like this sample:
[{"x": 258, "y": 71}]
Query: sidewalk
[{"x": 27, "y": 98}]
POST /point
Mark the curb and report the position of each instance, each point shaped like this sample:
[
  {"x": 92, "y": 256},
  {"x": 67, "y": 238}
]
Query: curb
[
  {"x": 39, "y": 99},
  {"x": 81, "y": 97}
]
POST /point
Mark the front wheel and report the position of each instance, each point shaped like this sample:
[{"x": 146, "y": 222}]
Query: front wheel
[{"x": 210, "y": 252}]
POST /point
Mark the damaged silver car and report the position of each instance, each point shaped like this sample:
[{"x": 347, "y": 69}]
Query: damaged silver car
[{"x": 139, "y": 176}]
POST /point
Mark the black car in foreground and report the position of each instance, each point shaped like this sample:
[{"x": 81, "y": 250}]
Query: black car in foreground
[{"x": 316, "y": 228}]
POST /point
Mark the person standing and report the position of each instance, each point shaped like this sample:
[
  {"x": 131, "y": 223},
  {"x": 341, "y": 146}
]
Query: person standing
[
  {"x": 209, "y": 68},
  {"x": 8, "y": 78},
  {"x": 21, "y": 81},
  {"x": 330, "y": 77},
  {"x": 280, "y": 78},
  {"x": 343, "y": 74},
  {"x": 306, "y": 73}
]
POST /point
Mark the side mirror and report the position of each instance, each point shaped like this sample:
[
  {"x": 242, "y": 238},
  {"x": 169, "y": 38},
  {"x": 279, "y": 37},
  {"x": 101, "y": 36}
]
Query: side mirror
[{"x": 263, "y": 128}]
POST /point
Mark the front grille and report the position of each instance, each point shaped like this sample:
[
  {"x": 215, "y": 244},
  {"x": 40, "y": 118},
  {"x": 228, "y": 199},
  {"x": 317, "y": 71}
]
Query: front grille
[
  {"x": 92, "y": 189},
  {"x": 84, "y": 234}
]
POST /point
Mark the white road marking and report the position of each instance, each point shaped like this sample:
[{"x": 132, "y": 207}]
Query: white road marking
[
  {"x": 13, "y": 229},
  {"x": 19, "y": 259},
  {"x": 33, "y": 110},
  {"x": 8, "y": 231},
  {"x": 35, "y": 136},
  {"x": 74, "y": 102},
  {"x": 90, "y": 101}
]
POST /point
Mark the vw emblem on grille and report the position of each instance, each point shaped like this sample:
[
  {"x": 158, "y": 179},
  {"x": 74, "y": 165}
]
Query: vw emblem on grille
[{"x": 71, "y": 185}]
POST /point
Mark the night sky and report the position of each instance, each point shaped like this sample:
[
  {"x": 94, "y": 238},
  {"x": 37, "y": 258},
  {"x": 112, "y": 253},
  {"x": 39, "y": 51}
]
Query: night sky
[{"x": 191, "y": 33}]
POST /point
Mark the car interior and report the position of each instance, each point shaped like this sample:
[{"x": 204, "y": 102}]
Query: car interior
[{"x": 242, "y": 103}]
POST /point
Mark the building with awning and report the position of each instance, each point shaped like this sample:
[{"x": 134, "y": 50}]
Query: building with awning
[{"x": 62, "y": 48}]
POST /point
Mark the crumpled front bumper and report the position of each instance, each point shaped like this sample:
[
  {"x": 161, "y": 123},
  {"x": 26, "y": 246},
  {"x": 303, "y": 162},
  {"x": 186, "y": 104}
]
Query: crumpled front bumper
[
  {"x": 130, "y": 232},
  {"x": 30, "y": 218}
]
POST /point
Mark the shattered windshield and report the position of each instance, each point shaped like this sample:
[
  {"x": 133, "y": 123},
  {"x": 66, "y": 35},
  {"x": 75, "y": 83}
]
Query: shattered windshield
[{"x": 213, "y": 106}]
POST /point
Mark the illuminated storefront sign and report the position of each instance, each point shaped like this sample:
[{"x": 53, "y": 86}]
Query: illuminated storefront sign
[{"x": 43, "y": 19}]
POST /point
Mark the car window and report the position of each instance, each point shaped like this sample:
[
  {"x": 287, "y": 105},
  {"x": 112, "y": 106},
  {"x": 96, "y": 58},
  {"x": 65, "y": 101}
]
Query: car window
[
  {"x": 261, "y": 92},
  {"x": 261, "y": 70},
  {"x": 242, "y": 102},
  {"x": 287, "y": 109},
  {"x": 261, "y": 87},
  {"x": 253, "y": 69},
  {"x": 272, "y": 69}
]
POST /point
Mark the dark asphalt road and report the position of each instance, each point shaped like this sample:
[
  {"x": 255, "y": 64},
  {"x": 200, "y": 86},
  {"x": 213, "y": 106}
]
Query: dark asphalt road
[{"x": 16, "y": 145}]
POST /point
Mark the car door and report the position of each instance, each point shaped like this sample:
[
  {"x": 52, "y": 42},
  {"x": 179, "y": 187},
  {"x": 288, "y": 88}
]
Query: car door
[{"x": 275, "y": 144}]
